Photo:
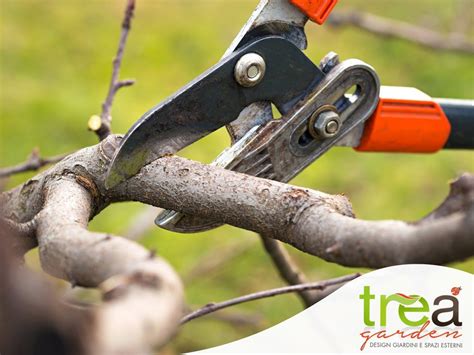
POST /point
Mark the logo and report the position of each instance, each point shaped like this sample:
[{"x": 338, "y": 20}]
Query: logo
[
  {"x": 455, "y": 291},
  {"x": 411, "y": 321}
]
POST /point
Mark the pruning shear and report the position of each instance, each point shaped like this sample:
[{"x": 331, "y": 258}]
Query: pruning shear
[{"x": 334, "y": 103}]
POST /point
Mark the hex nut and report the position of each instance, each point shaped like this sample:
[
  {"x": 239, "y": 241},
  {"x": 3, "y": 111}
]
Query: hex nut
[
  {"x": 250, "y": 70},
  {"x": 325, "y": 124}
]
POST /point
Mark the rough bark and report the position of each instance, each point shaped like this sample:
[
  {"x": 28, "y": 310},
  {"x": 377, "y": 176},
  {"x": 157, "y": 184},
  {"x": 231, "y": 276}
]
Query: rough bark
[
  {"x": 314, "y": 222},
  {"x": 142, "y": 294}
]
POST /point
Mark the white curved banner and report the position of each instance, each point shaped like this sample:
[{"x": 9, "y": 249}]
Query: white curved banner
[{"x": 399, "y": 309}]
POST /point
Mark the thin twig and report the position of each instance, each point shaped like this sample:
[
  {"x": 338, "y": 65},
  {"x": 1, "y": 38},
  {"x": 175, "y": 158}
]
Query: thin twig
[
  {"x": 397, "y": 29},
  {"x": 240, "y": 319},
  {"x": 287, "y": 269},
  {"x": 212, "y": 307},
  {"x": 34, "y": 162},
  {"x": 234, "y": 318},
  {"x": 102, "y": 125}
]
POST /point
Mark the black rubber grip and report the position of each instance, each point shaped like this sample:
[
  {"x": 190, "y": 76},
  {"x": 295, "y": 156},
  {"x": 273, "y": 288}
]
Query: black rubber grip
[{"x": 460, "y": 114}]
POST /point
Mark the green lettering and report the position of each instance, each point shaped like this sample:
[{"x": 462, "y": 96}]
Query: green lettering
[
  {"x": 366, "y": 296},
  {"x": 384, "y": 301},
  {"x": 409, "y": 309}
]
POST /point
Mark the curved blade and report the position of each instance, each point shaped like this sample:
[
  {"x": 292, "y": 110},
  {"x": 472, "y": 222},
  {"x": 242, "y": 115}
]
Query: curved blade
[{"x": 211, "y": 101}]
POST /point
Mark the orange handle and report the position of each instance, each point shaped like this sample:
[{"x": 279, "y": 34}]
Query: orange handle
[
  {"x": 317, "y": 10},
  {"x": 406, "y": 120}
]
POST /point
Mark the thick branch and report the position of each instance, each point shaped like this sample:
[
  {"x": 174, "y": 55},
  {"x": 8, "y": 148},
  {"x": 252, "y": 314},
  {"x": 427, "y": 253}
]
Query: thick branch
[
  {"x": 139, "y": 289},
  {"x": 212, "y": 307},
  {"x": 316, "y": 223},
  {"x": 396, "y": 29},
  {"x": 143, "y": 295}
]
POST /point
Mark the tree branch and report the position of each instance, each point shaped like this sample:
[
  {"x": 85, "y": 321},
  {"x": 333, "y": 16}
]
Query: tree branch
[
  {"x": 102, "y": 125},
  {"x": 143, "y": 295},
  {"x": 212, "y": 307},
  {"x": 33, "y": 163},
  {"x": 397, "y": 29},
  {"x": 459, "y": 199},
  {"x": 314, "y": 222},
  {"x": 59, "y": 202},
  {"x": 287, "y": 269},
  {"x": 235, "y": 318}
]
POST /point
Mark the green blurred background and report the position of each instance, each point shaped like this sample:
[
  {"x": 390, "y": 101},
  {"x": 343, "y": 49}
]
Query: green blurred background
[{"x": 55, "y": 69}]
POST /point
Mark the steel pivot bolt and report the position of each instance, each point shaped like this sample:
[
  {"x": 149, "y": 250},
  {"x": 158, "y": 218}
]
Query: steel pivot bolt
[
  {"x": 249, "y": 70},
  {"x": 324, "y": 124}
]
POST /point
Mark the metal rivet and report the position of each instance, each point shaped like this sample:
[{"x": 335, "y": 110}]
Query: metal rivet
[{"x": 249, "y": 70}]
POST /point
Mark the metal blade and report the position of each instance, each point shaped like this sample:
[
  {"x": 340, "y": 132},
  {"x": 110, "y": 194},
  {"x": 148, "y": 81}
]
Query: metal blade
[{"x": 211, "y": 101}]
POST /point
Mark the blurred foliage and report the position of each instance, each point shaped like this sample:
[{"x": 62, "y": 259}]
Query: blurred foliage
[{"x": 55, "y": 69}]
